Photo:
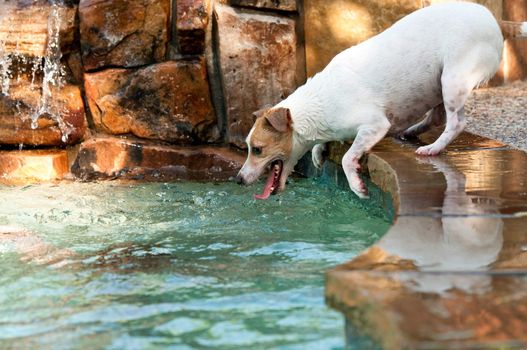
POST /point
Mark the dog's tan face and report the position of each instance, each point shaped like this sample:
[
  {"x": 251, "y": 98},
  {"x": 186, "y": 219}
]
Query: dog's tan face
[{"x": 270, "y": 143}]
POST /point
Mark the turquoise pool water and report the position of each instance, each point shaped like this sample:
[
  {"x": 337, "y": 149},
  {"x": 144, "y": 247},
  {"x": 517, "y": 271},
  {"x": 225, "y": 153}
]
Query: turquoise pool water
[{"x": 175, "y": 266}]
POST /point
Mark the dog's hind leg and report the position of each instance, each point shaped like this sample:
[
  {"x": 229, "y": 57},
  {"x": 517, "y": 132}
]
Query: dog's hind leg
[
  {"x": 367, "y": 136},
  {"x": 455, "y": 96},
  {"x": 465, "y": 71},
  {"x": 318, "y": 156},
  {"x": 436, "y": 116}
]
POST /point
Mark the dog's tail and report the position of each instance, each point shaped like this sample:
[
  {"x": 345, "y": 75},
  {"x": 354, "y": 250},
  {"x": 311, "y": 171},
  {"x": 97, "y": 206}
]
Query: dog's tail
[{"x": 513, "y": 29}]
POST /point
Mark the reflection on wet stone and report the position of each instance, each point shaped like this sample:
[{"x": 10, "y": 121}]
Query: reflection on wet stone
[{"x": 451, "y": 272}]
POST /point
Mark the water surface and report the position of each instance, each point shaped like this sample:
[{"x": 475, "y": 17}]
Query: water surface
[{"x": 175, "y": 266}]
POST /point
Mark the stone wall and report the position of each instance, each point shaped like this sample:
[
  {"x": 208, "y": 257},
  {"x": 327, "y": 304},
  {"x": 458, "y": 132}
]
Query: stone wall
[
  {"x": 140, "y": 89},
  {"x": 130, "y": 89}
]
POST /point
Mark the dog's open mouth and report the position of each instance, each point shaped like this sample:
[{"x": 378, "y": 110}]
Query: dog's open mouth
[{"x": 273, "y": 180}]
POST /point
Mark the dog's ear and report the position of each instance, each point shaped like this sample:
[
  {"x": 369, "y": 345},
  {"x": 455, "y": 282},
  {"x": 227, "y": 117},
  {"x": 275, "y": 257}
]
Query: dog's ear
[
  {"x": 280, "y": 119},
  {"x": 261, "y": 111}
]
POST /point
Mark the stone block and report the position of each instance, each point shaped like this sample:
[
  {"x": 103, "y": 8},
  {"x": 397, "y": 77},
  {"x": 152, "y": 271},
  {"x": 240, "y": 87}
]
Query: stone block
[
  {"x": 65, "y": 126},
  {"x": 257, "y": 57},
  {"x": 281, "y": 5},
  {"x": 112, "y": 157},
  {"x": 333, "y": 26},
  {"x": 192, "y": 19},
  {"x": 18, "y": 167},
  {"x": 123, "y": 33},
  {"x": 24, "y": 27},
  {"x": 515, "y": 52},
  {"x": 168, "y": 101}
]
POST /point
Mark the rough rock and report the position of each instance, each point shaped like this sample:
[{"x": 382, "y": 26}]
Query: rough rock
[
  {"x": 67, "y": 126},
  {"x": 24, "y": 28},
  {"x": 257, "y": 56},
  {"x": 33, "y": 166},
  {"x": 112, "y": 157},
  {"x": 123, "y": 33},
  {"x": 281, "y": 5},
  {"x": 192, "y": 18},
  {"x": 168, "y": 101}
]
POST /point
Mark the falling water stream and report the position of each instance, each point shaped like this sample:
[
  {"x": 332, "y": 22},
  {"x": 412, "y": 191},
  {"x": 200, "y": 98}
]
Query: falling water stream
[{"x": 49, "y": 67}]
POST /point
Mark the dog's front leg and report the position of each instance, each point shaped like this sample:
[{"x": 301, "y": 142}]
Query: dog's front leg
[
  {"x": 367, "y": 136},
  {"x": 317, "y": 155}
]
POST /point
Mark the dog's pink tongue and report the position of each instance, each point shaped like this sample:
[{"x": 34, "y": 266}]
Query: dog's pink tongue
[{"x": 266, "y": 193}]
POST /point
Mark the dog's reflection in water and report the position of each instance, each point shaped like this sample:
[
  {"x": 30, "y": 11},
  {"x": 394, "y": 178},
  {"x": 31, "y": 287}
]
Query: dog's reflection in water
[{"x": 467, "y": 237}]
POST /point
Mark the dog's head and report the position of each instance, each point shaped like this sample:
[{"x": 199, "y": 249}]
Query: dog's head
[{"x": 270, "y": 144}]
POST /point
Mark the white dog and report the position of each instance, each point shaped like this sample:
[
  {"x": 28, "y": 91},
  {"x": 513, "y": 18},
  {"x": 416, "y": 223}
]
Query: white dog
[{"x": 418, "y": 72}]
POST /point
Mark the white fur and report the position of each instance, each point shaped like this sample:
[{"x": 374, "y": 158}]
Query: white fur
[{"x": 386, "y": 84}]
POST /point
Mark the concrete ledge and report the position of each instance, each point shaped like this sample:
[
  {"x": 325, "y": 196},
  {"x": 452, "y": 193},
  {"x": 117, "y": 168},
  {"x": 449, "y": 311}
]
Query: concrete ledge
[{"x": 452, "y": 271}]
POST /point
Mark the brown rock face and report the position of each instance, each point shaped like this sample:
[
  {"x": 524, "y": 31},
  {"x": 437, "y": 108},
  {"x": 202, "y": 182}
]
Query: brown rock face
[
  {"x": 283, "y": 5},
  {"x": 168, "y": 101},
  {"x": 66, "y": 126},
  {"x": 24, "y": 26},
  {"x": 110, "y": 157},
  {"x": 257, "y": 55},
  {"x": 33, "y": 166},
  {"x": 123, "y": 33},
  {"x": 192, "y": 19}
]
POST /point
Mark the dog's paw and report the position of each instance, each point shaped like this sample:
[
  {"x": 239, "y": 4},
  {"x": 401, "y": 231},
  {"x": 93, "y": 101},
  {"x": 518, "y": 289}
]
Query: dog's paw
[
  {"x": 430, "y": 150},
  {"x": 317, "y": 155},
  {"x": 362, "y": 195},
  {"x": 359, "y": 188}
]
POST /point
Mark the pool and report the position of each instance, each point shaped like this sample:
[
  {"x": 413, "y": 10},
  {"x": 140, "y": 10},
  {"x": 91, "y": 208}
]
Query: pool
[{"x": 178, "y": 266}]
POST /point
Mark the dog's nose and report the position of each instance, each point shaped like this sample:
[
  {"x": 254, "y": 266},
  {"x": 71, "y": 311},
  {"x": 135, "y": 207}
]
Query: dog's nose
[{"x": 240, "y": 180}]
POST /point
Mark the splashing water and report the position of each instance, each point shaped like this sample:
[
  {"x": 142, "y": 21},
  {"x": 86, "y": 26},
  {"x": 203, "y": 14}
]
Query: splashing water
[
  {"x": 53, "y": 70},
  {"x": 5, "y": 74},
  {"x": 182, "y": 266},
  {"x": 50, "y": 65},
  {"x": 5, "y": 60}
]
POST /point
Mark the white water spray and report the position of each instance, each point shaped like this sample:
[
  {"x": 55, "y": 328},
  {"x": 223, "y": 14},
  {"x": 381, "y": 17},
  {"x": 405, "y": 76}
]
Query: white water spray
[{"x": 50, "y": 65}]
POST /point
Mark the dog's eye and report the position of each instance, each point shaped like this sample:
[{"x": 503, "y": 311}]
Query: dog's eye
[{"x": 256, "y": 150}]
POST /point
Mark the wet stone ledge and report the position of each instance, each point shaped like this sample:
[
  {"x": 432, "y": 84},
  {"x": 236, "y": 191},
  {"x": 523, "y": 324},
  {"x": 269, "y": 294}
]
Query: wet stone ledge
[
  {"x": 451, "y": 273},
  {"x": 105, "y": 157}
]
